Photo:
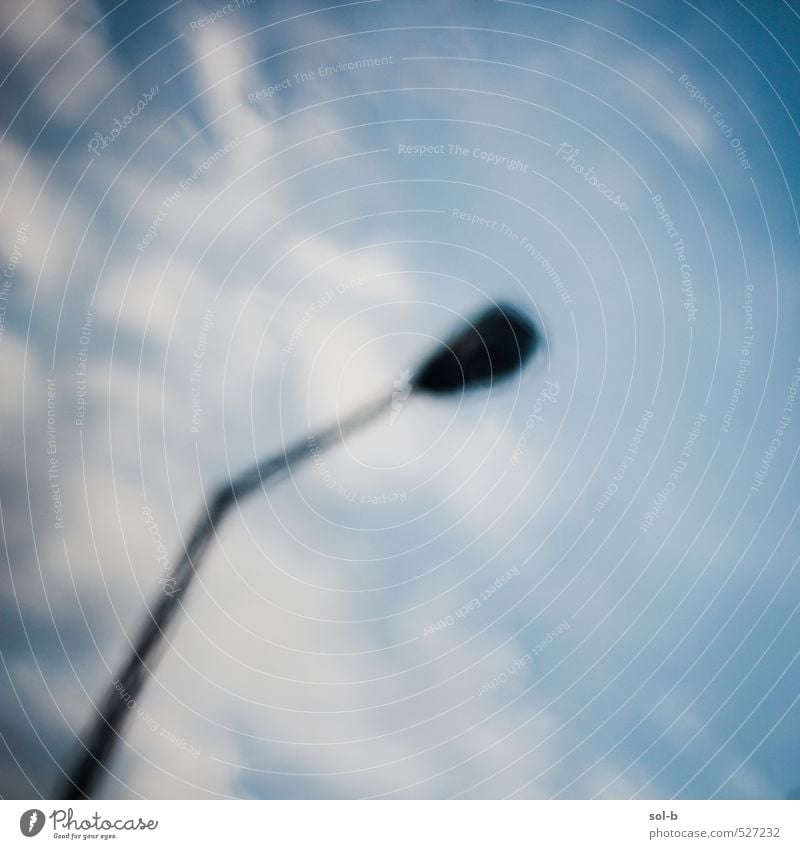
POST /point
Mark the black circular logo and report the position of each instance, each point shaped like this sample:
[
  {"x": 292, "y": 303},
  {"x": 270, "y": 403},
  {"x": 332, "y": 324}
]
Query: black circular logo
[{"x": 31, "y": 822}]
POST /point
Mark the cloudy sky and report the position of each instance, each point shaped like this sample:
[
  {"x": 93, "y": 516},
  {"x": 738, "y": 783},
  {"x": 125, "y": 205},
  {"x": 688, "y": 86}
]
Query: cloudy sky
[{"x": 224, "y": 226}]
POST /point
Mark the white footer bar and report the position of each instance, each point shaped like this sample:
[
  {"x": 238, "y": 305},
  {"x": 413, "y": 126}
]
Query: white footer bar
[{"x": 404, "y": 824}]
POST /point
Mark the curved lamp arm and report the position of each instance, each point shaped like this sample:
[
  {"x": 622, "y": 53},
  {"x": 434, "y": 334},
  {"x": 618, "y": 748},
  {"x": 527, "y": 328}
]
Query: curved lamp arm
[{"x": 111, "y": 714}]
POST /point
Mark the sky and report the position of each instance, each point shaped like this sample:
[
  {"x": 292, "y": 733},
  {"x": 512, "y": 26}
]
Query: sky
[{"x": 225, "y": 226}]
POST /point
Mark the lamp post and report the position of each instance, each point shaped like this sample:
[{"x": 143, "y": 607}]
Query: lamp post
[{"x": 490, "y": 348}]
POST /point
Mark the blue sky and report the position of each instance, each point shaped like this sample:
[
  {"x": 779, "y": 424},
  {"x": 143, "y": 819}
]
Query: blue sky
[{"x": 307, "y": 199}]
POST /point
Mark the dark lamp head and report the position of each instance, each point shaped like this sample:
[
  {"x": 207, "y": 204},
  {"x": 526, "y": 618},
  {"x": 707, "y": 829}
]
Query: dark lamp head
[{"x": 489, "y": 348}]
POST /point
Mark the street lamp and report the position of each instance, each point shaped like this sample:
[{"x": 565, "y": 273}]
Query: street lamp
[{"x": 493, "y": 346}]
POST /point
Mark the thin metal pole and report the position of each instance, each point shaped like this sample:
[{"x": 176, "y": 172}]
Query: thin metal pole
[{"x": 106, "y": 728}]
